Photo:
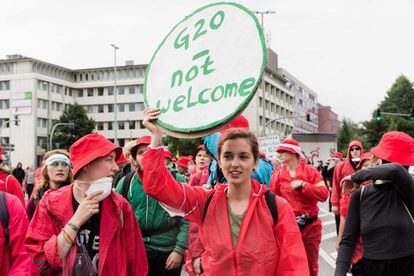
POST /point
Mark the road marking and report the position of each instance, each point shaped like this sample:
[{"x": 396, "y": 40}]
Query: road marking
[
  {"x": 326, "y": 211},
  {"x": 327, "y": 258},
  {"x": 329, "y": 236},
  {"x": 329, "y": 222},
  {"x": 323, "y": 215},
  {"x": 334, "y": 254}
]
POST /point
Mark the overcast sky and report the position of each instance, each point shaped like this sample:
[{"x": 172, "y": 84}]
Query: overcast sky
[{"x": 349, "y": 52}]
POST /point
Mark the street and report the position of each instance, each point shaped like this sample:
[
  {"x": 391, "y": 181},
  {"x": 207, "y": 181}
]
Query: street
[{"x": 327, "y": 251}]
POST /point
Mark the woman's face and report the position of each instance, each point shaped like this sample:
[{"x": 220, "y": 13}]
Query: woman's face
[
  {"x": 202, "y": 159},
  {"x": 58, "y": 172},
  {"x": 285, "y": 156},
  {"x": 102, "y": 167},
  {"x": 236, "y": 160}
]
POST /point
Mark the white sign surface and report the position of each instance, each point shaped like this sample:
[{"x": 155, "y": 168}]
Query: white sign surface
[
  {"x": 207, "y": 69},
  {"x": 268, "y": 145}
]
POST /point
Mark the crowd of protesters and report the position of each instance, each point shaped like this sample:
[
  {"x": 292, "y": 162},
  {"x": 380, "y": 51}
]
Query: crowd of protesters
[{"x": 98, "y": 209}]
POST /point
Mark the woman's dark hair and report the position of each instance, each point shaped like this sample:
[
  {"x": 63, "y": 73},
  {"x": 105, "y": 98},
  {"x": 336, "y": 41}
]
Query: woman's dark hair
[{"x": 240, "y": 133}]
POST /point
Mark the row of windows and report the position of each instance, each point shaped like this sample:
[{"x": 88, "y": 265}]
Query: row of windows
[
  {"x": 6, "y": 68},
  {"x": 127, "y": 73},
  {"x": 109, "y": 108},
  {"x": 274, "y": 108},
  {"x": 121, "y": 125},
  {"x": 4, "y": 85},
  {"x": 43, "y": 104},
  {"x": 277, "y": 93},
  {"x": 42, "y": 123},
  {"x": 109, "y": 91}
]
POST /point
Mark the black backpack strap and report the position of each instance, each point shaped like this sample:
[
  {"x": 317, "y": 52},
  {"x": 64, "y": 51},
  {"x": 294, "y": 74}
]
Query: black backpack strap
[
  {"x": 206, "y": 206},
  {"x": 127, "y": 183},
  {"x": 4, "y": 217},
  {"x": 270, "y": 198}
]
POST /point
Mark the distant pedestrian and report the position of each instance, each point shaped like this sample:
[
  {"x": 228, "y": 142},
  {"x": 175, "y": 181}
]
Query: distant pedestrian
[
  {"x": 19, "y": 173},
  {"x": 30, "y": 180},
  {"x": 8, "y": 183}
]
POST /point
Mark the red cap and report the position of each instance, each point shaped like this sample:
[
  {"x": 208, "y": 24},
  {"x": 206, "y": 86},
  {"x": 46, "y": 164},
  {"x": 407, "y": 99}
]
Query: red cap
[
  {"x": 238, "y": 122},
  {"x": 338, "y": 155},
  {"x": 121, "y": 159},
  {"x": 183, "y": 161},
  {"x": 144, "y": 140},
  {"x": 396, "y": 147},
  {"x": 90, "y": 147},
  {"x": 168, "y": 154},
  {"x": 284, "y": 146}
]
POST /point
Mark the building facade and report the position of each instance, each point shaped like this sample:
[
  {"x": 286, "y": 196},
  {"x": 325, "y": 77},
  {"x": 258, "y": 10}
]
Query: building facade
[
  {"x": 305, "y": 101},
  {"x": 38, "y": 92},
  {"x": 328, "y": 120}
]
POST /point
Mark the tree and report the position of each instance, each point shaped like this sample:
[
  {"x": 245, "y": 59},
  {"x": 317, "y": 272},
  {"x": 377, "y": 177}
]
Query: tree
[
  {"x": 350, "y": 131},
  {"x": 399, "y": 99},
  {"x": 182, "y": 146},
  {"x": 65, "y": 135}
]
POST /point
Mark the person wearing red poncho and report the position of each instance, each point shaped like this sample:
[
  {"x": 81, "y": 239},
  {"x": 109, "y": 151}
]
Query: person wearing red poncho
[
  {"x": 85, "y": 228},
  {"x": 239, "y": 232},
  {"x": 303, "y": 187}
]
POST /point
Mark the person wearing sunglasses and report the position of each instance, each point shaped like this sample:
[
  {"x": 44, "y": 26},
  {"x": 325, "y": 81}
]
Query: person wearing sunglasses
[
  {"x": 343, "y": 169},
  {"x": 56, "y": 173}
]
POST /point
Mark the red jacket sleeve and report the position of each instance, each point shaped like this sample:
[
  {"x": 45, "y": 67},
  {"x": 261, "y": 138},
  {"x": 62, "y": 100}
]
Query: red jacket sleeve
[
  {"x": 315, "y": 188},
  {"x": 137, "y": 264},
  {"x": 195, "y": 247},
  {"x": 292, "y": 259},
  {"x": 41, "y": 240},
  {"x": 161, "y": 185},
  {"x": 14, "y": 188},
  {"x": 21, "y": 261},
  {"x": 274, "y": 182},
  {"x": 336, "y": 189}
]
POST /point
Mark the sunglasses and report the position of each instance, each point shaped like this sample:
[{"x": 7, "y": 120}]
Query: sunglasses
[{"x": 355, "y": 149}]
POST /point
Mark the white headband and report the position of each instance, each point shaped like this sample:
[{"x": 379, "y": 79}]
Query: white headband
[
  {"x": 295, "y": 148},
  {"x": 57, "y": 157}
]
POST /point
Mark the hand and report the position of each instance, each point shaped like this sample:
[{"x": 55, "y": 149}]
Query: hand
[
  {"x": 348, "y": 186},
  {"x": 296, "y": 184},
  {"x": 86, "y": 209},
  {"x": 197, "y": 265},
  {"x": 150, "y": 115},
  {"x": 173, "y": 261}
]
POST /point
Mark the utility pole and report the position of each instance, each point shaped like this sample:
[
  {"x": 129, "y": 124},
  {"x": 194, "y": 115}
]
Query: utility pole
[
  {"x": 262, "y": 13},
  {"x": 116, "y": 98}
]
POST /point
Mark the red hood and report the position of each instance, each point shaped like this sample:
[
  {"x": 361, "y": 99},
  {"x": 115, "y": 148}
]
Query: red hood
[{"x": 354, "y": 143}]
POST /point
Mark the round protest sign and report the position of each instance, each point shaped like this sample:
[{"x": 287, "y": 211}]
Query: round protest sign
[{"x": 206, "y": 70}]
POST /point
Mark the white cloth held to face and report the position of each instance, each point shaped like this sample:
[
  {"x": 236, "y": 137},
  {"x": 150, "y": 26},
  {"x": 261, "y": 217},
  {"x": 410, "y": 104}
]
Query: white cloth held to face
[{"x": 104, "y": 184}]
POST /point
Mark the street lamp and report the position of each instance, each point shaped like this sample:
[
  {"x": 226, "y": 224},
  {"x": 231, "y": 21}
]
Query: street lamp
[
  {"x": 53, "y": 130},
  {"x": 116, "y": 98}
]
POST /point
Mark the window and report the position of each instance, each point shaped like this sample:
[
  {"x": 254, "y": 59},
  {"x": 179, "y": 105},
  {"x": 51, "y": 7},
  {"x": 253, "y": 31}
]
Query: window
[
  {"x": 90, "y": 109},
  {"x": 131, "y": 107},
  {"x": 110, "y": 107},
  {"x": 41, "y": 141},
  {"x": 4, "y": 104},
  {"x": 90, "y": 92},
  {"x": 141, "y": 89},
  {"x": 121, "y": 142},
  {"x": 110, "y": 90},
  {"x": 121, "y": 107},
  {"x": 131, "y": 90},
  {"x": 121, "y": 90},
  {"x": 45, "y": 104},
  {"x": 100, "y": 91},
  {"x": 121, "y": 125},
  {"x": 4, "y": 85},
  {"x": 80, "y": 93},
  {"x": 141, "y": 106},
  {"x": 131, "y": 124},
  {"x": 110, "y": 125},
  {"x": 100, "y": 108},
  {"x": 99, "y": 126},
  {"x": 141, "y": 126}
]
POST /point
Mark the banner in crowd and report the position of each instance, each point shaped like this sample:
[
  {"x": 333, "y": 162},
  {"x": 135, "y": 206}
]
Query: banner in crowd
[
  {"x": 268, "y": 145},
  {"x": 206, "y": 70}
]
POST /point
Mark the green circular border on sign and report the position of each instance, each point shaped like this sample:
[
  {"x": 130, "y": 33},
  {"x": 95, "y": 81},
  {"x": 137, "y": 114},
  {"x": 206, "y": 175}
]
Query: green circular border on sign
[{"x": 245, "y": 102}]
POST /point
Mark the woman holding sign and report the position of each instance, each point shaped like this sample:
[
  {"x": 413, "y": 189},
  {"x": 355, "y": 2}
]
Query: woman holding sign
[{"x": 245, "y": 229}]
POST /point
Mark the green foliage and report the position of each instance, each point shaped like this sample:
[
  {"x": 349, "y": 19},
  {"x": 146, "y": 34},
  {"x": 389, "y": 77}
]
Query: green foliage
[
  {"x": 181, "y": 146},
  {"x": 399, "y": 99},
  {"x": 350, "y": 131},
  {"x": 64, "y": 135}
]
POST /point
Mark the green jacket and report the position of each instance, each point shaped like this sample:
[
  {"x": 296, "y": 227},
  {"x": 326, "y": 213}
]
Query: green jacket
[{"x": 151, "y": 216}]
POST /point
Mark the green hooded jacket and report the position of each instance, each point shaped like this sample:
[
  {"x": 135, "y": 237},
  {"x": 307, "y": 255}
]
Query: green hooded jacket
[{"x": 151, "y": 216}]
